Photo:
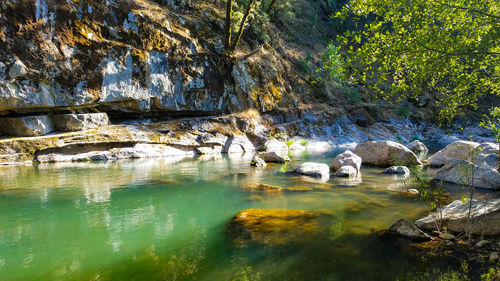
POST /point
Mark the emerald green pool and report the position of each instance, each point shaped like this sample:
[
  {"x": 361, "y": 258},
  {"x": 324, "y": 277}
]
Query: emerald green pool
[{"x": 165, "y": 219}]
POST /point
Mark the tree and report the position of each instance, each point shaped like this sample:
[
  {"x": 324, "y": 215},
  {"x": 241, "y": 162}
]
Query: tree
[
  {"x": 450, "y": 48},
  {"x": 231, "y": 46}
]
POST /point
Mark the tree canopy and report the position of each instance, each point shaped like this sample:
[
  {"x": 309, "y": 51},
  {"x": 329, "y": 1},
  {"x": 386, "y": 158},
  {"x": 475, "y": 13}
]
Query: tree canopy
[{"x": 450, "y": 48}]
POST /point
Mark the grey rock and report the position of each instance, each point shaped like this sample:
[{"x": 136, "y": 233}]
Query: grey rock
[
  {"x": 487, "y": 160},
  {"x": 485, "y": 217},
  {"x": 239, "y": 144},
  {"x": 461, "y": 171},
  {"x": 400, "y": 170},
  {"x": 312, "y": 169},
  {"x": 482, "y": 243},
  {"x": 457, "y": 150},
  {"x": 209, "y": 150},
  {"x": 26, "y": 126},
  {"x": 418, "y": 148},
  {"x": 347, "y": 158},
  {"x": 258, "y": 162},
  {"x": 386, "y": 153},
  {"x": 17, "y": 69},
  {"x": 346, "y": 172},
  {"x": 494, "y": 257},
  {"x": 408, "y": 230},
  {"x": 274, "y": 145},
  {"x": 79, "y": 122},
  {"x": 273, "y": 157}
]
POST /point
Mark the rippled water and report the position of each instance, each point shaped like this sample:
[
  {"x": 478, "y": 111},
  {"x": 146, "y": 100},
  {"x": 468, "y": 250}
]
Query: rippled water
[{"x": 165, "y": 219}]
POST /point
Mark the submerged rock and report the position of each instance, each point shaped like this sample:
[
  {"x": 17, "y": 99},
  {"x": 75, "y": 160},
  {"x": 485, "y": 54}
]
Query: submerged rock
[
  {"x": 400, "y": 170},
  {"x": 258, "y": 162},
  {"x": 273, "y": 226},
  {"x": 462, "y": 150},
  {"x": 346, "y": 172},
  {"x": 485, "y": 217},
  {"x": 273, "y": 157},
  {"x": 312, "y": 169},
  {"x": 261, "y": 187},
  {"x": 465, "y": 173},
  {"x": 347, "y": 158},
  {"x": 418, "y": 148},
  {"x": 408, "y": 230},
  {"x": 386, "y": 153}
]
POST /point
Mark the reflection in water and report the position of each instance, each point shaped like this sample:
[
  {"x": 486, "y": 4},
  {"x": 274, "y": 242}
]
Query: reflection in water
[{"x": 165, "y": 219}]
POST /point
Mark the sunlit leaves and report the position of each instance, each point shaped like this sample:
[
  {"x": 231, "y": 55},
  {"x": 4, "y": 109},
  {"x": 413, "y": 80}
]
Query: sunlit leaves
[{"x": 448, "y": 48}]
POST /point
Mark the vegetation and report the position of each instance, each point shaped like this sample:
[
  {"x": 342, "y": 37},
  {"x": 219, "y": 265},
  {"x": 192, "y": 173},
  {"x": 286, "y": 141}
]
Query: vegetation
[{"x": 447, "y": 49}]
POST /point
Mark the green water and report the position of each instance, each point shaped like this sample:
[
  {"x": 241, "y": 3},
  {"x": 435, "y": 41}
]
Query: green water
[{"x": 165, "y": 219}]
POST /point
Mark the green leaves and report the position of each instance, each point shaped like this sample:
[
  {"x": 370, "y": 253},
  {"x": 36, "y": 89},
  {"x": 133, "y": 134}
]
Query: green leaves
[{"x": 447, "y": 48}]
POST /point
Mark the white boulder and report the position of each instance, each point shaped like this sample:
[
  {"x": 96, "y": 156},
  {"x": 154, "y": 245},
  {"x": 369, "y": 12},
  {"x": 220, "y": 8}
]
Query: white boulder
[
  {"x": 484, "y": 219},
  {"x": 462, "y": 150},
  {"x": 466, "y": 173},
  {"x": 386, "y": 153},
  {"x": 347, "y": 158},
  {"x": 312, "y": 169}
]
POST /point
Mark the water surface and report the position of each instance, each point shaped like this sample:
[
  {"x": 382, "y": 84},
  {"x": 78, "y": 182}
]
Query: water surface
[{"x": 165, "y": 219}]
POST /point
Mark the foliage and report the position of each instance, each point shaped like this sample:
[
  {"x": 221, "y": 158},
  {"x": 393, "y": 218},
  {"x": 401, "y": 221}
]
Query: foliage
[
  {"x": 493, "y": 123},
  {"x": 404, "y": 111},
  {"x": 491, "y": 275},
  {"x": 332, "y": 66},
  {"x": 407, "y": 48},
  {"x": 304, "y": 142},
  {"x": 289, "y": 143}
]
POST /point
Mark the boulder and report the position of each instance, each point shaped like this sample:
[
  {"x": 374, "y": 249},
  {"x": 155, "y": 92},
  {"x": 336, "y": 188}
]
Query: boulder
[
  {"x": 488, "y": 148},
  {"x": 489, "y": 160},
  {"x": 418, "y": 148},
  {"x": 28, "y": 126},
  {"x": 273, "y": 226},
  {"x": 312, "y": 169},
  {"x": 274, "y": 145},
  {"x": 347, "y": 158},
  {"x": 239, "y": 144},
  {"x": 456, "y": 172},
  {"x": 17, "y": 69},
  {"x": 258, "y": 162},
  {"x": 484, "y": 220},
  {"x": 346, "y": 172},
  {"x": 79, "y": 122},
  {"x": 408, "y": 230},
  {"x": 386, "y": 153},
  {"x": 273, "y": 157},
  {"x": 457, "y": 150},
  {"x": 400, "y": 170}
]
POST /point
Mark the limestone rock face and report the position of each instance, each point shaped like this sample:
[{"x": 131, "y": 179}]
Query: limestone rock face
[
  {"x": 273, "y": 226},
  {"x": 312, "y": 169},
  {"x": 461, "y": 171},
  {"x": 386, "y": 153},
  {"x": 29, "y": 126},
  {"x": 418, "y": 148},
  {"x": 79, "y": 122},
  {"x": 145, "y": 60},
  {"x": 458, "y": 150},
  {"x": 400, "y": 170},
  {"x": 273, "y": 157},
  {"x": 347, "y": 158},
  {"x": 346, "y": 172},
  {"x": 407, "y": 229},
  {"x": 17, "y": 69},
  {"x": 485, "y": 218}
]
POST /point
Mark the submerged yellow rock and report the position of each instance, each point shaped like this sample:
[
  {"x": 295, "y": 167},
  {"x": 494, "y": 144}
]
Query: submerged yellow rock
[
  {"x": 261, "y": 187},
  {"x": 273, "y": 226}
]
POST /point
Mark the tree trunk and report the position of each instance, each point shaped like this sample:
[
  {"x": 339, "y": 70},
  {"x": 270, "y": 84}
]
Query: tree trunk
[
  {"x": 229, "y": 12},
  {"x": 242, "y": 25},
  {"x": 270, "y": 6}
]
